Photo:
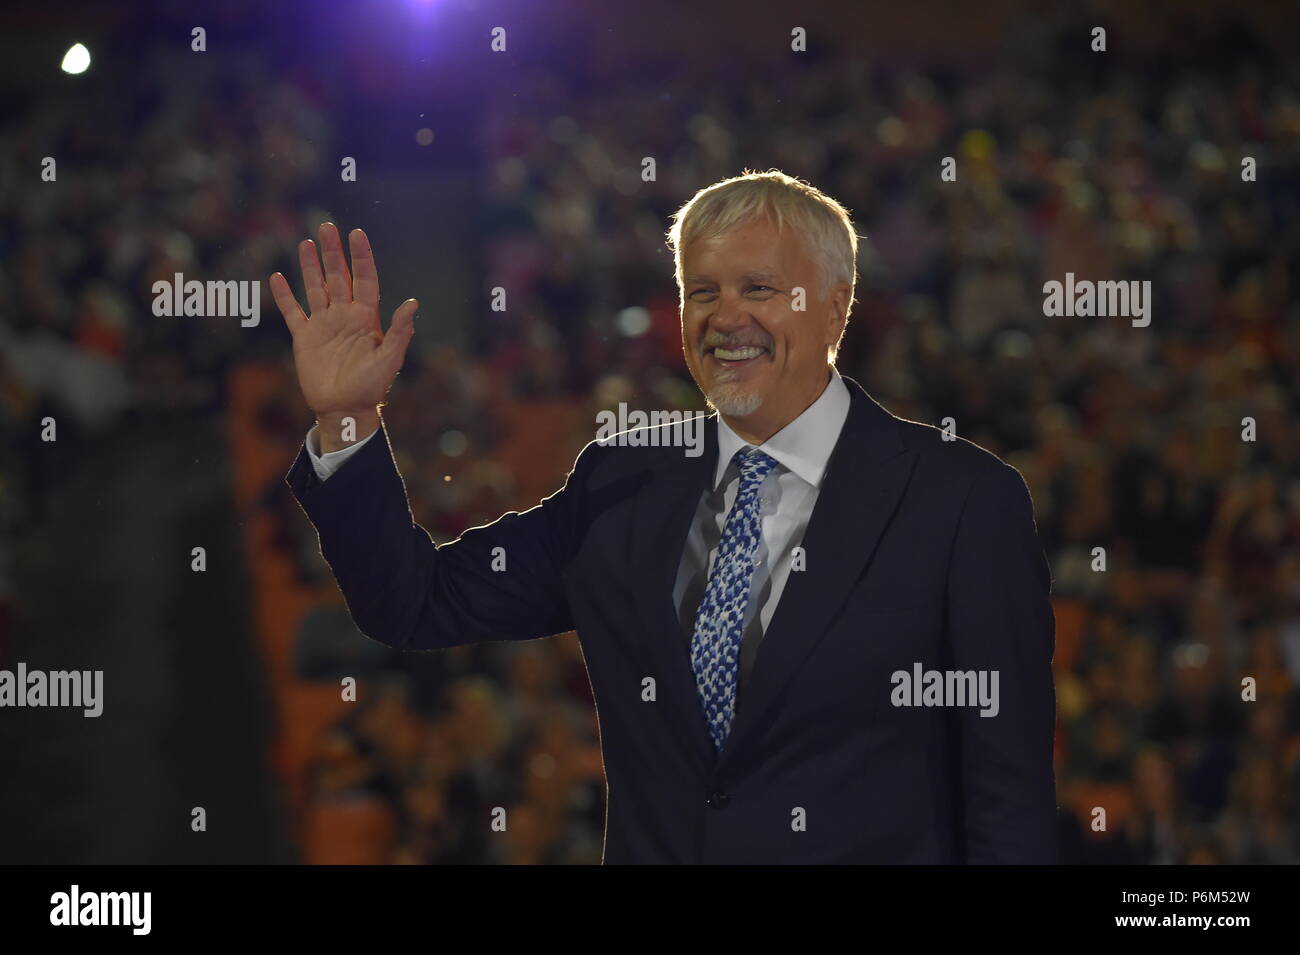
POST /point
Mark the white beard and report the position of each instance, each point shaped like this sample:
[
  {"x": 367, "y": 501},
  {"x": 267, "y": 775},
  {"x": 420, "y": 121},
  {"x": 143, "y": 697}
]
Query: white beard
[{"x": 734, "y": 400}]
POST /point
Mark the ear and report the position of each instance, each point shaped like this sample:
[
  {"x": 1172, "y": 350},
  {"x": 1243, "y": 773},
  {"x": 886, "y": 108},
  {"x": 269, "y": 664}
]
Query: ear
[{"x": 841, "y": 300}]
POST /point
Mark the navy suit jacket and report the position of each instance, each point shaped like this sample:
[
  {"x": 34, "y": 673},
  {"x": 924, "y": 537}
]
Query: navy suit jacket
[{"x": 919, "y": 551}]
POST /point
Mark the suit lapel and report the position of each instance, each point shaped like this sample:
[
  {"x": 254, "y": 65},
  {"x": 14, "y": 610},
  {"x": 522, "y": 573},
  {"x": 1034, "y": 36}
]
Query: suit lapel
[
  {"x": 664, "y": 511},
  {"x": 864, "y": 481}
]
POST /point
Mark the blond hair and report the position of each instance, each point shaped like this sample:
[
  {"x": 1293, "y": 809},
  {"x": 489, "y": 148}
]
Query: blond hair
[{"x": 822, "y": 223}]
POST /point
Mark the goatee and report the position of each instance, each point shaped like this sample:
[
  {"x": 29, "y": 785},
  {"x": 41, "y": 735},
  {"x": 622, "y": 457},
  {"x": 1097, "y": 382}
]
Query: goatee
[{"x": 734, "y": 402}]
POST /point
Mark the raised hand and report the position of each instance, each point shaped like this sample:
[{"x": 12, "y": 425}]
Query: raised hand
[{"x": 346, "y": 362}]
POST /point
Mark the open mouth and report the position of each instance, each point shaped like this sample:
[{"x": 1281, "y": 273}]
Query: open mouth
[{"x": 738, "y": 356}]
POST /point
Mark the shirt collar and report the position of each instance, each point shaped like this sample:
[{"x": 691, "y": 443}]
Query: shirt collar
[{"x": 804, "y": 445}]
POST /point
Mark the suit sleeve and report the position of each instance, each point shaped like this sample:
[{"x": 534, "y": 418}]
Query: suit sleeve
[
  {"x": 496, "y": 582},
  {"x": 1000, "y": 619}
]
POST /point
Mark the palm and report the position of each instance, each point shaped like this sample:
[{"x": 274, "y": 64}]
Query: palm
[
  {"x": 339, "y": 361},
  {"x": 345, "y": 360}
]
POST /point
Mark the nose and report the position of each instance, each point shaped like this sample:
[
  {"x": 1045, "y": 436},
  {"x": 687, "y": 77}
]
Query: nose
[{"x": 731, "y": 315}]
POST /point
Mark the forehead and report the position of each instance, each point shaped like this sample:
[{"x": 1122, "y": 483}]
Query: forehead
[{"x": 755, "y": 250}]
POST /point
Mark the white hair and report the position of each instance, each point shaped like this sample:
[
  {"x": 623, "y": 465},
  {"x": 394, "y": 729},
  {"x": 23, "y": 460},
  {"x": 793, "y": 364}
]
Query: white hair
[{"x": 823, "y": 224}]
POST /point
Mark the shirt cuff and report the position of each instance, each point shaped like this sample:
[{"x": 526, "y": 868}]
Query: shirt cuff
[{"x": 326, "y": 464}]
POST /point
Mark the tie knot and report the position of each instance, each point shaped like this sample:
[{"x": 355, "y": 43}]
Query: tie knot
[{"x": 754, "y": 464}]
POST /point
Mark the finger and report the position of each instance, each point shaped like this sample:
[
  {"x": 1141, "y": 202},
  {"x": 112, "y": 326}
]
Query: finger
[
  {"x": 317, "y": 298},
  {"x": 365, "y": 278},
  {"x": 400, "y": 332},
  {"x": 288, "y": 305},
  {"x": 338, "y": 281}
]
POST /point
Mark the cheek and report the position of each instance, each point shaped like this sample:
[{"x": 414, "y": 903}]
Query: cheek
[
  {"x": 786, "y": 339},
  {"x": 804, "y": 341},
  {"x": 690, "y": 339}
]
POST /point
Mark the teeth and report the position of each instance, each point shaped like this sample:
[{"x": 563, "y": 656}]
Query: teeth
[{"x": 737, "y": 354}]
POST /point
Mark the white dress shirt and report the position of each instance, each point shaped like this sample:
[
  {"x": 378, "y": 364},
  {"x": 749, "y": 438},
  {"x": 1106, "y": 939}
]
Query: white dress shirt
[
  {"x": 786, "y": 498},
  {"x": 326, "y": 464}
]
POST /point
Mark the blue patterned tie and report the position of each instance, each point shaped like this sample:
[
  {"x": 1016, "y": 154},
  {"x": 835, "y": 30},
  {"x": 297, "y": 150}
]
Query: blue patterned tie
[{"x": 715, "y": 647}]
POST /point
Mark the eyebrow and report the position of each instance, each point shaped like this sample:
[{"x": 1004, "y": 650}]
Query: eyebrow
[{"x": 758, "y": 276}]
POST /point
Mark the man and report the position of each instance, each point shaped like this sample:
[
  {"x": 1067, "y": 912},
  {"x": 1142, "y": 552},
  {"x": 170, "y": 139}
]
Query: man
[{"x": 826, "y": 639}]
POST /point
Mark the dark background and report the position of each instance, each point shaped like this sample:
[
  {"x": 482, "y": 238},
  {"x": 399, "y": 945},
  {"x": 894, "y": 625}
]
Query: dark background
[{"x": 221, "y": 688}]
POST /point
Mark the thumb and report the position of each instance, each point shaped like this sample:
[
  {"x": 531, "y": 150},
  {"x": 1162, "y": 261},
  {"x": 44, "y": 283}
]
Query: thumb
[{"x": 400, "y": 332}]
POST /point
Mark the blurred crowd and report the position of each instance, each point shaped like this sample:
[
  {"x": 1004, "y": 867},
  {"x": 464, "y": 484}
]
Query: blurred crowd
[
  {"x": 1132, "y": 440},
  {"x": 157, "y": 171}
]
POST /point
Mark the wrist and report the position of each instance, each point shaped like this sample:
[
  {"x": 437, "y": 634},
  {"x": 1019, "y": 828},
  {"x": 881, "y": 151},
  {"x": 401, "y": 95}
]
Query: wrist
[{"x": 337, "y": 430}]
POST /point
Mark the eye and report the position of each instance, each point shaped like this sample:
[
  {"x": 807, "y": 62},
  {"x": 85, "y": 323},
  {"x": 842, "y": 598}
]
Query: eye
[
  {"x": 762, "y": 287},
  {"x": 698, "y": 291}
]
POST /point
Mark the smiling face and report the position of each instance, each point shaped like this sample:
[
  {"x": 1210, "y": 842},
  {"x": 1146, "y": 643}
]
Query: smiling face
[{"x": 759, "y": 363}]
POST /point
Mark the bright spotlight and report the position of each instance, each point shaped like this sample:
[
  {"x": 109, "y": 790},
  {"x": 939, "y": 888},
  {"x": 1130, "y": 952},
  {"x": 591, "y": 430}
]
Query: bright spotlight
[{"x": 77, "y": 59}]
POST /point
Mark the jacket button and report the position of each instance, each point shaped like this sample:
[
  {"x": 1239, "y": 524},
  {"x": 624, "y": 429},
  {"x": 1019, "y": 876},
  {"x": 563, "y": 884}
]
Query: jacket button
[{"x": 718, "y": 800}]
